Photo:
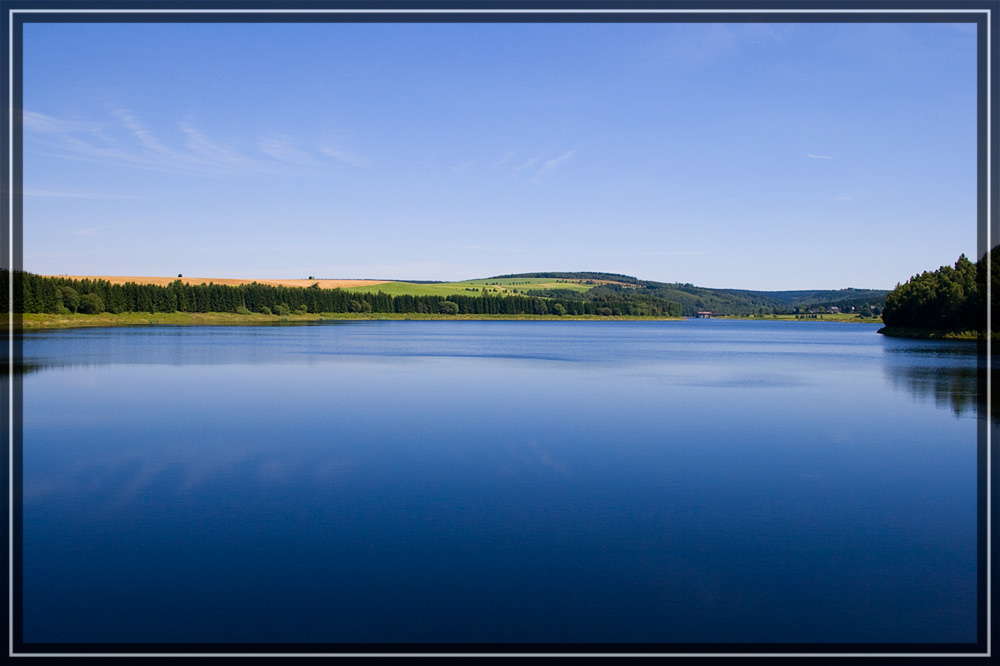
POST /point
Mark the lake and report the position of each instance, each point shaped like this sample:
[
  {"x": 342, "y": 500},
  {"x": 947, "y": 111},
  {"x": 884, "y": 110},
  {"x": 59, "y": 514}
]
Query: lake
[{"x": 700, "y": 481}]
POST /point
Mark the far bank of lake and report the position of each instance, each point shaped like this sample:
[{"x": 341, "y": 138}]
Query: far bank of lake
[{"x": 52, "y": 321}]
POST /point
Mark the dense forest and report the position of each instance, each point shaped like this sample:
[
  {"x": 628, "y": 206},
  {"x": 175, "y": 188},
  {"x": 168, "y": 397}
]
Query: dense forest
[
  {"x": 694, "y": 299},
  {"x": 952, "y": 298},
  {"x": 55, "y": 295}
]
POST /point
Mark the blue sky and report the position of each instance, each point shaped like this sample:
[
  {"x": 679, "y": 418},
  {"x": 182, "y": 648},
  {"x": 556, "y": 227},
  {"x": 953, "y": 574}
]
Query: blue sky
[{"x": 756, "y": 156}]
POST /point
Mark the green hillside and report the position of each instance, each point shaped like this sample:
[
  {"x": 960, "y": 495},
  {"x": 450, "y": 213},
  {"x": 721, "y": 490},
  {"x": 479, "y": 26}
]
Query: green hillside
[
  {"x": 467, "y": 287},
  {"x": 842, "y": 298},
  {"x": 597, "y": 286},
  {"x": 719, "y": 301}
]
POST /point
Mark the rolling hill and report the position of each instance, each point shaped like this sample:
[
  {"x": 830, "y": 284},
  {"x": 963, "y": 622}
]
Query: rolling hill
[{"x": 720, "y": 301}]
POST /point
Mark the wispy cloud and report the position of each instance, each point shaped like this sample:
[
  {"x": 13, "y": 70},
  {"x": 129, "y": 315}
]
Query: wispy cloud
[
  {"x": 552, "y": 165},
  {"x": 203, "y": 151},
  {"x": 333, "y": 146},
  {"x": 485, "y": 248},
  {"x": 96, "y": 231},
  {"x": 526, "y": 165},
  {"x": 71, "y": 139},
  {"x": 680, "y": 252},
  {"x": 285, "y": 150},
  {"x": 342, "y": 155},
  {"x": 531, "y": 165},
  {"x": 505, "y": 158},
  {"x": 50, "y": 194},
  {"x": 462, "y": 168},
  {"x": 124, "y": 140},
  {"x": 818, "y": 157},
  {"x": 39, "y": 122},
  {"x": 147, "y": 140},
  {"x": 702, "y": 44}
]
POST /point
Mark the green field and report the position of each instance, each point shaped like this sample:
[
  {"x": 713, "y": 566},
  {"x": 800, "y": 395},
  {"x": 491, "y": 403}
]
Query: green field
[
  {"x": 46, "y": 321},
  {"x": 76, "y": 320},
  {"x": 472, "y": 287},
  {"x": 847, "y": 317}
]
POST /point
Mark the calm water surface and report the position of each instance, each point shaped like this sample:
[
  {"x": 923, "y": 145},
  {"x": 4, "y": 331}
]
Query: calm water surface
[{"x": 427, "y": 481}]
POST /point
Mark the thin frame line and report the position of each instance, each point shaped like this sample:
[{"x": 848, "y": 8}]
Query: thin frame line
[
  {"x": 498, "y": 11},
  {"x": 986, "y": 11},
  {"x": 500, "y": 654},
  {"x": 989, "y": 336},
  {"x": 10, "y": 335}
]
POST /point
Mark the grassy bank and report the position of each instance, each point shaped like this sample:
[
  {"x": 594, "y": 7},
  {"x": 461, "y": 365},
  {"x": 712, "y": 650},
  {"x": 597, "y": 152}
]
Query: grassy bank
[
  {"x": 852, "y": 318},
  {"x": 49, "y": 321},
  {"x": 36, "y": 321},
  {"x": 933, "y": 334}
]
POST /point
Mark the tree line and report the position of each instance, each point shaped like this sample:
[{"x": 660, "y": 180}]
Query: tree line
[
  {"x": 578, "y": 275},
  {"x": 691, "y": 299},
  {"x": 55, "y": 295},
  {"x": 952, "y": 298},
  {"x": 626, "y": 300}
]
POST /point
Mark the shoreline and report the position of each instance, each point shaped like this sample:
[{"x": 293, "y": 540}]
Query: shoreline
[
  {"x": 841, "y": 318},
  {"x": 34, "y": 322},
  {"x": 933, "y": 334}
]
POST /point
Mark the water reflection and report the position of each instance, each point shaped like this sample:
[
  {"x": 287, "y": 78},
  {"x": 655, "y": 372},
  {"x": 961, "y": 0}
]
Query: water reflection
[
  {"x": 22, "y": 368},
  {"x": 960, "y": 389},
  {"x": 948, "y": 374}
]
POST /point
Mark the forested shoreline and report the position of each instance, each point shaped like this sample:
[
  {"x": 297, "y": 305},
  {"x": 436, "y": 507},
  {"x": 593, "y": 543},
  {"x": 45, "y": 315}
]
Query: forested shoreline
[
  {"x": 949, "y": 300},
  {"x": 58, "y": 295}
]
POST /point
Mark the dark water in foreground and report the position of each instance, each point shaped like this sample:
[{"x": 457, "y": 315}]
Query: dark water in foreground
[{"x": 699, "y": 481}]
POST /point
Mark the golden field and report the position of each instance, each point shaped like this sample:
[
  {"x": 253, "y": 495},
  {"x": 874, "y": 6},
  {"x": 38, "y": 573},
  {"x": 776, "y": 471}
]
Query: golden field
[{"x": 164, "y": 281}]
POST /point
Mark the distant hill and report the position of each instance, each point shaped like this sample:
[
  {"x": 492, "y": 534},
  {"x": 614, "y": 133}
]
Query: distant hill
[
  {"x": 612, "y": 277},
  {"x": 826, "y": 296},
  {"x": 694, "y": 299},
  {"x": 572, "y": 293}
]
